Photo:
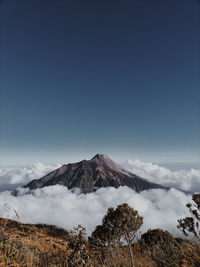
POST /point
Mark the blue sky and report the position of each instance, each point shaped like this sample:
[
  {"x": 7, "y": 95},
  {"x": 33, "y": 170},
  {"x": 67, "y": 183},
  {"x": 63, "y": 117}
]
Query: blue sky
[{"x": 84, "y": 77}]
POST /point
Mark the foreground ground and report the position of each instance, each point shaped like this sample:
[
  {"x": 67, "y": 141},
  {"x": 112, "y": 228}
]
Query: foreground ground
[{"x": 26, "y": 245}]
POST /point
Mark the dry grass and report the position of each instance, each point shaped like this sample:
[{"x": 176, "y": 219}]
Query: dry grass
[
  {"x": 24, "y": 245},
  {"x": 30, "y": 245},
  {"x": 120, "y": 257}
]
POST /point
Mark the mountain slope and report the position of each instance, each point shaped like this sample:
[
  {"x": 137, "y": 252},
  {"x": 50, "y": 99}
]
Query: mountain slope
[{"x": 89, "y": 175}]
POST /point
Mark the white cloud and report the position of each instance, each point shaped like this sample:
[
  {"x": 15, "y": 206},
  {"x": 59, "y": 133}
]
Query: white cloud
[
  {"x": 188, "y": 180},
  {"x": 20, "y": 175},
  {"x": 59, "y": 206}
]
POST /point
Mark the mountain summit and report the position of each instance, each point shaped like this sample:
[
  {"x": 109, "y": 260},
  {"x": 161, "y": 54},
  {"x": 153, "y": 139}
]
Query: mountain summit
[{"x": 89, "y": 175}]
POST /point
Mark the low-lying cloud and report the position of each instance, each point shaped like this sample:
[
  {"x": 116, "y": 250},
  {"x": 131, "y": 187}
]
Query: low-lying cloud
[
  {"x": 24, "y": 174},
  {"x": 188, "y": 180},
  {"x": 59, "y": 206}
]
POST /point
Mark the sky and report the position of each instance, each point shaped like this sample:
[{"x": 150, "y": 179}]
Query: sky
[{"x": 84, "y": 77}]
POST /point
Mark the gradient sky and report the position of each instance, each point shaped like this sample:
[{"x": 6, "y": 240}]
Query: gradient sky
[{"x": 84, "y": 77}]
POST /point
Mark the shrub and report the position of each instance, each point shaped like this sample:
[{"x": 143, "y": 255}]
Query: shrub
[
  {"x": 190, "y": 225},
  {"x": 119, "y": 226}
]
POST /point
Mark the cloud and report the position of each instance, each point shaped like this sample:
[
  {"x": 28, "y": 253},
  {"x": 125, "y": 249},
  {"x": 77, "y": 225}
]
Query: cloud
[
  {"x": 59, "y": 206},
  {"x": 188, "y": 180},
  {"x": 21, "y": 175}
]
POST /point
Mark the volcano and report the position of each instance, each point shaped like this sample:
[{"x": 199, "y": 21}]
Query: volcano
[{"x": 90, "y": 175}]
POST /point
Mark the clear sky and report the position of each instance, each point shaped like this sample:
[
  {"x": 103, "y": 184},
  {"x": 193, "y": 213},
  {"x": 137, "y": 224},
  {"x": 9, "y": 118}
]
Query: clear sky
[{"x": 118, "y": 77}]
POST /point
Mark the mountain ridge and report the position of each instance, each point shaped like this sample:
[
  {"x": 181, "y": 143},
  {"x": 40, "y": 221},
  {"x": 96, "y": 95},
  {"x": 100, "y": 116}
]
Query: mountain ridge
[{"x": 89, "y": 175}]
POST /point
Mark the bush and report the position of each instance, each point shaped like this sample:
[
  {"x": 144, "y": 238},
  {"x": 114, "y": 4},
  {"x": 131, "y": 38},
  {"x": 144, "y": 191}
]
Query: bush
[
  {"x": 119, "y": 226},
  {"x": 190, "y": 225}
]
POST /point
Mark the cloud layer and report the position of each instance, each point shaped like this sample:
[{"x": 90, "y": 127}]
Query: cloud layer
[
  {"x": 59, "y": 206},
  {"x": 21, "y": 174},
  {"x": 188, "y": 180}
]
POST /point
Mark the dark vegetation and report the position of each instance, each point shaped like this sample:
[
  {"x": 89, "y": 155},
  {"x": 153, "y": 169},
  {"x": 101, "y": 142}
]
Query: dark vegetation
[
  {"x": 191, "y": 225},
  {"x": 112, "y": 244}
]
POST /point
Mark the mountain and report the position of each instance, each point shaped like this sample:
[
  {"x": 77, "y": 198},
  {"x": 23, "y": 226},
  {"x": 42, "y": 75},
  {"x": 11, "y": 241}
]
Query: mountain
[{"x": 89, "y": 175}]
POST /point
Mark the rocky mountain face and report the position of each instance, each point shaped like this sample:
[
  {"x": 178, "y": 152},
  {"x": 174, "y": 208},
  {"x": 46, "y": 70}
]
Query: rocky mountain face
[{"x": 89, "y": 175}]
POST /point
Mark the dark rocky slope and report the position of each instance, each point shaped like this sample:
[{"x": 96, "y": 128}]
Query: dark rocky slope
[{"x": 89, "y": 175}]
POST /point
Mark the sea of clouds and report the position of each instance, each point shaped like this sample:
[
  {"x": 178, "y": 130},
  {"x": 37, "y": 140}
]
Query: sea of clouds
[
  {"x": 24, "y": 174},
  {"x": 59, "y": 206},
  {"x": 188, "y": 180}
]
